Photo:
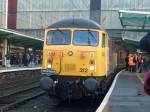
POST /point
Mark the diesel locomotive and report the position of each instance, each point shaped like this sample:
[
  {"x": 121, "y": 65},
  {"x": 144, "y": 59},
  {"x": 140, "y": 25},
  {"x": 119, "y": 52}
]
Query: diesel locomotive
[{"x": 76, "y": 59}]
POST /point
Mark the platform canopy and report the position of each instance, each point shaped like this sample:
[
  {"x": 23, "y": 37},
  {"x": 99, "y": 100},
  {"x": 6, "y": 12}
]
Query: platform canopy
[
  {"x": 134, "y": 18},
  {"x": 135, "y": 25},
  {"x": 20, "y": 39}
]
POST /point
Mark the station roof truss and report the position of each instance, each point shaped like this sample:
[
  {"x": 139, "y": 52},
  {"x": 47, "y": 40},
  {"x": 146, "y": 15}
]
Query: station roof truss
[
  {"x": 132, "y": 42},
  {"x": 20, "y": 39},
  {"x": 138, "y": 19}
]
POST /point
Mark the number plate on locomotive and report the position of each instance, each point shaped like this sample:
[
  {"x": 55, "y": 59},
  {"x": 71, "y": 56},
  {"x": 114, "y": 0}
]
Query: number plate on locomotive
[{"x": 83, "y": 70}]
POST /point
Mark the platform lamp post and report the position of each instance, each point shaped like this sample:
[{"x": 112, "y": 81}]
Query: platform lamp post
[
  {"x": 6, "y": 13},
  {"x": 5, "y": 42}
]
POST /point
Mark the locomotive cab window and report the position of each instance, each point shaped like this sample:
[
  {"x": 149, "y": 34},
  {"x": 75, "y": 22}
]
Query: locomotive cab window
[
  {"x": 103, "y": 40},
  {"x": 58, "y": 37},
  {"x": 85, "y": 38}
]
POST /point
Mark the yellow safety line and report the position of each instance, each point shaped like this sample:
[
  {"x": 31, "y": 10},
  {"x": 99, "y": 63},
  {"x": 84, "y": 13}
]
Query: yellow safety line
[{"x": 141, "y": 80}]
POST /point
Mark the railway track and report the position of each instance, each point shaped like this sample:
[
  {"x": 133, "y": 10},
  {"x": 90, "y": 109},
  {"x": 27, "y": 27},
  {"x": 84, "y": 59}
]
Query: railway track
[
  {"x": 38, "y": 101},
  {"x": 13, "y": 100},
  {"x": 44, "y": 104},
  {"x": 18, "y": 86}
]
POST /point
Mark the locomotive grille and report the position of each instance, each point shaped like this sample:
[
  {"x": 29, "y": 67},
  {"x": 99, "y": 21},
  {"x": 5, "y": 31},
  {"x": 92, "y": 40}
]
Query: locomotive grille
[{"x": 70, "y": 67}]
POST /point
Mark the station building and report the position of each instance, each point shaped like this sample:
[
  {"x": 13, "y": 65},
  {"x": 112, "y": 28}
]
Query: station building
[{"x": 31, "y": 17}]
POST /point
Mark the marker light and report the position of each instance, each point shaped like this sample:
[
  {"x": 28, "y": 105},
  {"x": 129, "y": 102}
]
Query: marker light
[
  {"x": 92, "y": 67},
  {"x": 92, "y": 62},
  {"x": 49, "y": 66}
]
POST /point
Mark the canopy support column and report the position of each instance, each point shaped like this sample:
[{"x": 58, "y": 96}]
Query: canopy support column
[{"x": 4, "y": 52}]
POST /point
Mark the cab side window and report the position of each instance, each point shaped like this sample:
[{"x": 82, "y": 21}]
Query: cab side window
[{"x": 103, "y": 40}]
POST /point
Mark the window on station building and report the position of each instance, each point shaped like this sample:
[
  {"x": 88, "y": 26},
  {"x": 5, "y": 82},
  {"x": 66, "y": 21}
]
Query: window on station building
[{"x": 103, "y": 40}]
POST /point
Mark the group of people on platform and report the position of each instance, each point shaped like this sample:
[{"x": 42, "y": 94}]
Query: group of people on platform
[
  {"x": 135, "y": 63},
  {"x": 22, "y": 59}
]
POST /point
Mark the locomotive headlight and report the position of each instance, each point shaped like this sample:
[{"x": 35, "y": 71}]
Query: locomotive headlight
[
  {"x": 56, "y": 82},
  {"x": 92, "y": 67},
  {"x": 70, "y": 53},
  {"x": 49, "y": 66}
]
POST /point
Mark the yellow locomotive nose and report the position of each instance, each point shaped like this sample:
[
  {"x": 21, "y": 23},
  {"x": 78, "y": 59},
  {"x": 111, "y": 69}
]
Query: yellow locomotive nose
[{"x": 77, "y": 57}]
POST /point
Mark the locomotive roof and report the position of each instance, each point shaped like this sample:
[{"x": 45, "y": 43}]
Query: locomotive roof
[{"x": 76, "y": 23}]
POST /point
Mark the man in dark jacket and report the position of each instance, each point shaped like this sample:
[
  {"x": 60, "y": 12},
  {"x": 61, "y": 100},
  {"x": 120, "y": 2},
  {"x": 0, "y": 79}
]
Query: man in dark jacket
[
  {"x": 147, "y": 82},
  {"x": 145, "y": 45}
]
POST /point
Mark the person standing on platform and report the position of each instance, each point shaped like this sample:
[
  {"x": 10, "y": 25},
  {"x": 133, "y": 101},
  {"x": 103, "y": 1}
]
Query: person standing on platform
[
  {"x": 37, "y": 59},
  {"x": 31, "y": 60},
  {"x": 147, "y": 82},
  {"x": 20, "y": 57},
  {"x": 138, "y": 62},
  {"x": 141, "y": 64},
  {"x": 145, "y": 62},
  {"x": 135, "y": 60},
  {"x": 131, "y": 63},
  {"x": 24, "y": 59},
  {"x": 28, "y": 58},
  {"x": 126, "y": 61},
  {"x": 8, "y": 57}
]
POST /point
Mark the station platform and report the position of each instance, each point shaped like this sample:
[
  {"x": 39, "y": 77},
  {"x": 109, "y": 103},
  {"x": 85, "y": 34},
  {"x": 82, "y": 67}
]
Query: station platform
[
  {"x": 126, "y": 94},
  {"x": 12, "y": 69},
  {"x": 16, "y": 79}
]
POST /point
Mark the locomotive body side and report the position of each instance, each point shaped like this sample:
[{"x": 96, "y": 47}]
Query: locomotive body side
[{"x": 117, "y": 54}]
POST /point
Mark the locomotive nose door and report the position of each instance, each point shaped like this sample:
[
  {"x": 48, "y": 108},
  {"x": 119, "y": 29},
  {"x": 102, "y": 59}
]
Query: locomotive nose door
[{"x": 55, "y": 59}]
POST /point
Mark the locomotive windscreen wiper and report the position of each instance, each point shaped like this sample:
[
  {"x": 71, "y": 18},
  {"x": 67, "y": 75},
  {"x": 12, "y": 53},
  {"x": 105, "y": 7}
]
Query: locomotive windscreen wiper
[
  {"x": 61, "y": 31},
  {"x": 89, "y": 42},
  {"x": 92, "y": 35}
]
